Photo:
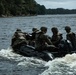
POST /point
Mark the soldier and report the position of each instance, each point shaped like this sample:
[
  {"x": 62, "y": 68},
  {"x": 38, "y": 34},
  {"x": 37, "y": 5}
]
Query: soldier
[
  {"x": 15, "y": 36},
  {"x": 71, "y": 36},
  {"x": 42, "y": 42},
  {"x": 18, "y": 39},
  {"x": 34, "y": 31},
  {"x": 56, "y": 37},
  {"x": 32, "y": 37}
]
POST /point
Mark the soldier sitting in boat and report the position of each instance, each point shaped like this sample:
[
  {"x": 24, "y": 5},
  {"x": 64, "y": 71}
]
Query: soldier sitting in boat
[
  {"x": 42, "y": 42},
  {"x": 34, "y": 31},
  {"x": 33, "y": 34},
  {"x": 71, "y": 36},
  {"x": 18, "y": 39},
  {"x": 56, "y": 37}
]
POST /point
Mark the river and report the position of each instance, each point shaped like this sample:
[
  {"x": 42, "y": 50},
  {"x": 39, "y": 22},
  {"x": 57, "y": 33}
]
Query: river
[{"x": 14, "y": 64}]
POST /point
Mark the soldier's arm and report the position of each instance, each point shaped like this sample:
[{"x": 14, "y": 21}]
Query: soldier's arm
[
  {"x": 48, "y": 40},
  {"x": 57, "y": 40}
]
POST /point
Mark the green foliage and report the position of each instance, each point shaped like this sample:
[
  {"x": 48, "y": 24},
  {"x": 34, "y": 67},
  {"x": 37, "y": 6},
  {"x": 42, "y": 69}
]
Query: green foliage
[
  {"x": 17, "y": 7},
  {"x": 28, "y": 7},
  {"x": 60, "y": 11},
  {"x": 1, "y": 8}
]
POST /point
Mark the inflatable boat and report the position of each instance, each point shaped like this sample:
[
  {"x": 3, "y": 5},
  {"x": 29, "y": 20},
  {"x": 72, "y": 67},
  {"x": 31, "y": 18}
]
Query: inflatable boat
[{"x": 30, "y": 51}]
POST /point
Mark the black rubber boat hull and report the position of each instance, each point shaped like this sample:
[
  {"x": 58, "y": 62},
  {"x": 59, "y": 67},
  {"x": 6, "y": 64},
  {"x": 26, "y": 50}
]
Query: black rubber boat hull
[{"x": 31, "y": 52}]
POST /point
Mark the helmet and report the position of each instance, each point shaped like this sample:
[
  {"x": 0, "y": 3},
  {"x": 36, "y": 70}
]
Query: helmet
[
  {"x": 18, "y": 30},
  {"x": 67, "y": 28},
  {"x": 35, "y": 29},
  {"x": 54, "y": 29},
  {"x": 43, "y": 28}
]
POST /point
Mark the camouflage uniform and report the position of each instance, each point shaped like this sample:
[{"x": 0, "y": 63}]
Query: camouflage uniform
[
  {"x": 35, "y": 30},
  {"x": 42, "y": 42},
  {"x": 18, "y": 39},
  {"x": 56, "y": 39},
  {"x": 72, "y": 38}
]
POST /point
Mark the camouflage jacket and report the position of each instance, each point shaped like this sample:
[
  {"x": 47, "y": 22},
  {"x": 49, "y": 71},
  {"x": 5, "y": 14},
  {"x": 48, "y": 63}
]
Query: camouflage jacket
[{"x": 42, "y": 40}]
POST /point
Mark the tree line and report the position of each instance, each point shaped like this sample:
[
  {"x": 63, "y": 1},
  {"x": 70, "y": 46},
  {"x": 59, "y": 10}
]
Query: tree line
[
  {"x": 28, "y": 7},
  {"x": 60, "y": 11}
]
